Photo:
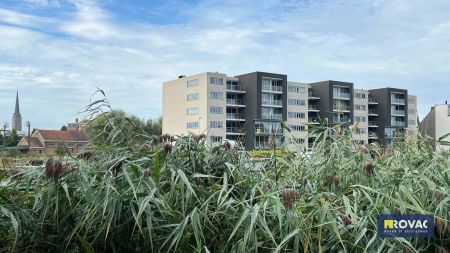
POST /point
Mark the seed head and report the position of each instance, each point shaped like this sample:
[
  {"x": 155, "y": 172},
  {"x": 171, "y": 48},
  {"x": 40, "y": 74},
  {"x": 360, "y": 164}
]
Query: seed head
[
  {"x": 369, "y": 169},
  {"x": 288, "y": 197},
  {"x": 337, "y": 180},
  {"x": 439, "y": 226},
  {"x": 53, "y": 169},
  {"x": 439, "y": 249},
  {"x": 407, "y": 249},
  {"x": 438, "y": 195},
  {"x": 146, "y": 173},
  {"x": 227, "y": 145},
  {"x": 346, "y": 220},
  {"x": 168, "y": 147}
]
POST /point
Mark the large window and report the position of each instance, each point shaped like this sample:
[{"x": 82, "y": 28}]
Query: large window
[
  {"x": 216, "y": 139},
  {"x": 297, "y": 128},
  {"x": 192, "y": 125},
  {"x": 216, "y": 110},
  {"x": 360, "y": 107},
  {"x": 216, "y": 80},
  {"x": 360, "y": 95},
  {"x": 216, "y": 95},
  {"x": 192, "y": 97},
  {"x": 192, "y": 83},
  {"x": 296, "y": 89},
  {"x": 296, "y": 115},
  {"x": 298, "y": 102},
  {"x": 192, "y": 111},
  {"x": 216, "y": 124},
  {"x": 360, "y": 119}
]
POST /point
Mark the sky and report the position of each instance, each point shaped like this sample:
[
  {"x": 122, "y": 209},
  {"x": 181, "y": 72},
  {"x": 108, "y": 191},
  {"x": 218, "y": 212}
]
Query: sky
[{"x": 57, "y": 53}]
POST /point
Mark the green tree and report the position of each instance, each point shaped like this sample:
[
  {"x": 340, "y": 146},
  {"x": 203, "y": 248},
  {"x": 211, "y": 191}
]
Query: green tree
[
  {"x": 12, "y": 139},
  {"x": 61, "y": 150},
  {"x": 64, "y": 128},
  {"x": 153, "y": 127}
]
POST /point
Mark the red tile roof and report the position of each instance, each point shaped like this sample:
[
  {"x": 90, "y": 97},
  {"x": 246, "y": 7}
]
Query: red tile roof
[{"x": 58, "y": 135}]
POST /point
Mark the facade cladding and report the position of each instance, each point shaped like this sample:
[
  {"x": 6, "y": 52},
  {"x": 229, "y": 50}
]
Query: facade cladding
[{"x": 250, "y": 108}]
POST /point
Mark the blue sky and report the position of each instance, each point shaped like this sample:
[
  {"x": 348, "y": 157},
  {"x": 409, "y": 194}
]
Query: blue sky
[{"x": 56, "y": 52}]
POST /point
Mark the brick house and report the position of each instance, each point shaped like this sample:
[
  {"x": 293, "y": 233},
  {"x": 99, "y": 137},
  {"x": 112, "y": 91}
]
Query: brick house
[{"x": 46, "y": 142}]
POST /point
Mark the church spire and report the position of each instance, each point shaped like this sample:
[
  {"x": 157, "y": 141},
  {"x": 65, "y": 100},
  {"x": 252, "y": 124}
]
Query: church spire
[
  {"x": 17, "y": 118},
  {"x": 17, "y": 103}
]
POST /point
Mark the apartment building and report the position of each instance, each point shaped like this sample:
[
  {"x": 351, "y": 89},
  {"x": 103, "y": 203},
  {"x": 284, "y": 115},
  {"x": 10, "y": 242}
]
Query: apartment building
[
  {"x": 249, "y": 108},
  {"x": 437, "y": 124}
]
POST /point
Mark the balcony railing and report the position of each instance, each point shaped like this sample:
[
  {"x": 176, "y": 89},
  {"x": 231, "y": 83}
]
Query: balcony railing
[
  {"x": 373, "y": 112},
  {"x": 268, "y": 131},
  {"x": 373, "y": 101},
  {"x": 267, "y": 145},
  {"x": 273, "y": 116},
  {"x": 398, "y": 112},
  {"x": 313, "y": 121},
  {"x": 341, "y": 107},
  {"x": 341, "y": 120},
  {"x": 235, "y": 116},
  {"x": 235, "y": 101},
  {"x": 397, "y": 101},
  {"x": 313, "y": 94},
  {"x": 313, "y": 107},
  {"x": 398, "y": 123},
  {"x": 272, "y": 88},
  {"x": 373, "y": 123},
  {"x": 341, "y": 95},
  {"x": 235, "y": 130},
  {"x": 373, "y": 135},
  {"x": 394, "y": 135},
  {"x": 235, "y": 87},
  {"x": 272, "y": 102}
]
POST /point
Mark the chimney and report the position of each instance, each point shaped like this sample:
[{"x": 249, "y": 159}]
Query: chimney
[
  {"x": 76, "y": 120},
  {"x": 445, "y": 101},
  {"x": 182, "y": 76}
]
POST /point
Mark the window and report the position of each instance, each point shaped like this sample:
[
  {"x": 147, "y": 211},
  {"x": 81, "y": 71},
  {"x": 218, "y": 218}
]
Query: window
[
  {"x": 216, "y": 110},
  {"x": 192, "y": 97},
  {"x": 360, "y": 118},
  {"x": 360, "y": 130},
  {"x": 296, "y": 102},
  {"x": 296, "y": 115},
  {"x": 216, "y": 95},
  {"x": 216, "y": 124},
  {"x": 192, "y": 111},
  {"x": 297, "y": 127},
  {"x": 216, "y": 139},
  {"x": 411, "y": 100},
  {"x": 296, "y": 89},
  {"x": 360, "y": 95},
  {"x": 411, "y": 111},
  {"x": 411, "y": 122},
  {"x": 299, "y": 140},
  {"x": 216, "y": 80},
  {"x": 360, "y": 107},
  {"x": 448, "y": 111},
  {"x": 192, "y": 125},
  {"x": 192, "y": 83}
]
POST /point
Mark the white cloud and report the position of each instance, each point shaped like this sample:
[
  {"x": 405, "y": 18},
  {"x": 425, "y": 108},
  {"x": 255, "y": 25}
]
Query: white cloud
[{"x": 373, "y": 43}]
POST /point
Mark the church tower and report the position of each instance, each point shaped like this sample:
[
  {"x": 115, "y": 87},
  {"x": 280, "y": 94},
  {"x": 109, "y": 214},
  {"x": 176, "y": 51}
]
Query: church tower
[{"x": 17, "y": 118}]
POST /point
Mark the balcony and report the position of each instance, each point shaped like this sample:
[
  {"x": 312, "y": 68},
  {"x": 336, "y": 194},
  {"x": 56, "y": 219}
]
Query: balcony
[
  {"x": 373, "y": 124},
  {"x": 372, "y": 113},
  {"x": 341, "y": 95},
  {"x": 277, "y": 103},
  {"x": 274, "y": 89},
  {"x": 313, "y": 120},
  {"x": 372, "y": 136},
  {"x": 313, "y": 95},
  {"x": 394, "y": 135},
  {"x": 235, "y": 102},
  {"x": 266, "y": 131},
  {"x": 398, "y": 123},
  {"x": 341, "y": 120},
  {"x": 313, "y": 108},
  {"x": 236, "y": 116},
  {"x": 273, "y": 116},
  {"x": 235, "y": 88},
  {"x": 398, "y": 112},
  {"x": 235, "y": 130},
  {"x": 342, "y": 108},
  {"x": 373, "y": 101},
  {"x": 398, "y": 101}
]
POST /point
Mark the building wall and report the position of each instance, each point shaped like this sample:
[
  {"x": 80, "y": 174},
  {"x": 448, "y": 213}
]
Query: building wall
[
  {"x": 442, "y": 124},
  {"x": 412, "y": 115},
  {"x": 362, "y": 136},
  {"x": 299, "y": 136},
  {"x": 215, "y": 132}
]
